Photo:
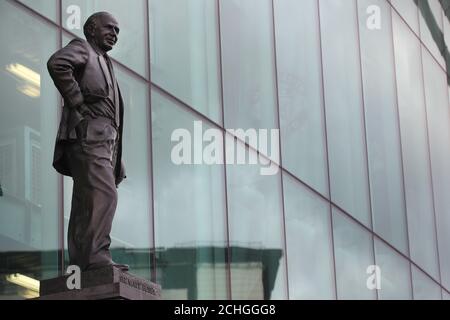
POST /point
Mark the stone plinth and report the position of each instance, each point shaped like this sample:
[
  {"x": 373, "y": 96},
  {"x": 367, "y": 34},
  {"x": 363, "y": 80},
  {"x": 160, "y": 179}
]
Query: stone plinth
[{"x": 99, "y": 284}]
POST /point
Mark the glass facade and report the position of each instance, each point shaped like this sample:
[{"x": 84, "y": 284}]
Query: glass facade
[{"x": 355, "y": 206}]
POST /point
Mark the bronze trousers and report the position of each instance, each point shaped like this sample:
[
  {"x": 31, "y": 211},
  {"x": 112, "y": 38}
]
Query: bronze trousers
[{"x": 94, "y": 198}]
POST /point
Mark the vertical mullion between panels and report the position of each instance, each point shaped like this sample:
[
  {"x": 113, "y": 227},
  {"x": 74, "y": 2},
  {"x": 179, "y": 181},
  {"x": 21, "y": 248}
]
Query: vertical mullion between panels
[
  {"x": 422, "y": 45},
  {"x": 153, "y": 273},
  {"x": 227, "y": 223},
  {"x": 326, "y": 149},
  {"x": 274, "y": 43},
  {"x": 401, "y": 149},
  {"x": 365, "y": 131}
]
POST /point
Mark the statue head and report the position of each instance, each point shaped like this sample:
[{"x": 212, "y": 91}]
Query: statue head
[{"x": 102, "y": 29}]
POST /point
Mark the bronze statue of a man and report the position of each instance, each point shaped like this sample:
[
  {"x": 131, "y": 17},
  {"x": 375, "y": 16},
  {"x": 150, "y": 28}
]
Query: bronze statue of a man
[{"x": 89, "y": 141}]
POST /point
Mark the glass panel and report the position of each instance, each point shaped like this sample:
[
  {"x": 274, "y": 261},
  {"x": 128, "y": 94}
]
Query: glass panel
[
  {"x": 408, "y": 10},
  {"x": 419, "y": 199},
  {"x": 256, "y": 233},
  {"x": 438, "y": 116},
  {"x": 383, "y": 135},
  {"x": 300, "y": 91},
  {"x": 131, "y": 47},
  {"x": 344, "y": 111},
  {"x": 28, "y": 183},
  {"x": 185, "y": 52},
  {"x": 424, "y": 287},
  {"x": 445, "y": 295},
  {"x": 309, "y": 243},
  {"x": 395, "y": 273},
  {"x": 431, "y": 28},
  {"x": 134, "y": 206},
  {"x": 248, "y": 64},
  {"x": 132, "y": 248},
  {"x": 354, "y": 254},
  {"x": 189, "y": 209},
  {"x": 47, "y": 8}
]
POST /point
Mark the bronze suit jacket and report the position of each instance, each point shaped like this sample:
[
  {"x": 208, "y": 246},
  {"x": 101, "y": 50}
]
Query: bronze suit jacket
[{"x": 80, "y": 76}]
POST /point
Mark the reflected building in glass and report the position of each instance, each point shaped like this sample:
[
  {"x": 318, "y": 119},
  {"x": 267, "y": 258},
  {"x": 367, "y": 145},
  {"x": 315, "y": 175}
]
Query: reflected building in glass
[{"x": 359, "y": 91}]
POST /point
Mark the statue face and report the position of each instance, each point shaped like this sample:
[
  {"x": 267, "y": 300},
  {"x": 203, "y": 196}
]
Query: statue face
[{"x": 106, "y": 32}]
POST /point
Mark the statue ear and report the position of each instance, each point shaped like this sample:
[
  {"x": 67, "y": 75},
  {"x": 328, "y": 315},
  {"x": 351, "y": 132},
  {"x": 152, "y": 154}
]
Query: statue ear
[{"x": 91, "y": 30}]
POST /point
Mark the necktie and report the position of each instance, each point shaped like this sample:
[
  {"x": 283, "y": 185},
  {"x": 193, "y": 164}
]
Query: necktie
[{"x": 115, "y": 88}]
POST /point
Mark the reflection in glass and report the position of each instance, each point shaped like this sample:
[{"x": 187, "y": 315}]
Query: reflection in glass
[
  {"x": 131, "y": 48},
  {"x": 344, "y": 110},
  {"x": 256, "y": 233},
  {"x": 248, "y": 64},
  {"x": 354, "y": 254},
  {"x": 446, "y": 29},
  {"x": 184, "y": 52},
  {"x": 395, "y": 273},
  {"x": 417, "y": 175},
  {"x": 431, "y": 28},
  {"x": 190, "y": 213},
  {"x": 382, "y": 129},
  {"x": 438, "y": 115},
  {"x": 309, "y": 243},
  {"x": 424, "y": 287},
  {"x": 300, "y": 90},
  {"x": 28, "y": 205}
]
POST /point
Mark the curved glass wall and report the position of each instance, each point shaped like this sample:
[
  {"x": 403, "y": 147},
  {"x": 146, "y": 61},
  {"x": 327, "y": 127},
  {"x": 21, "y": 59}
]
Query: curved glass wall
[{"x": 353, "y": 95}]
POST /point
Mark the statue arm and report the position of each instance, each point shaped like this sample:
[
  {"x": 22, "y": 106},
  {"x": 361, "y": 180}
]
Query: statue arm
[{"x": 62, "y": 66}]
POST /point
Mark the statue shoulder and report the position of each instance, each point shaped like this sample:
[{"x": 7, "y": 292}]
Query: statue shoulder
[
  {"x": 75, "y": 53},
  {"x": 79, "y": 42},
  {"x": 80, "y": 47}
]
